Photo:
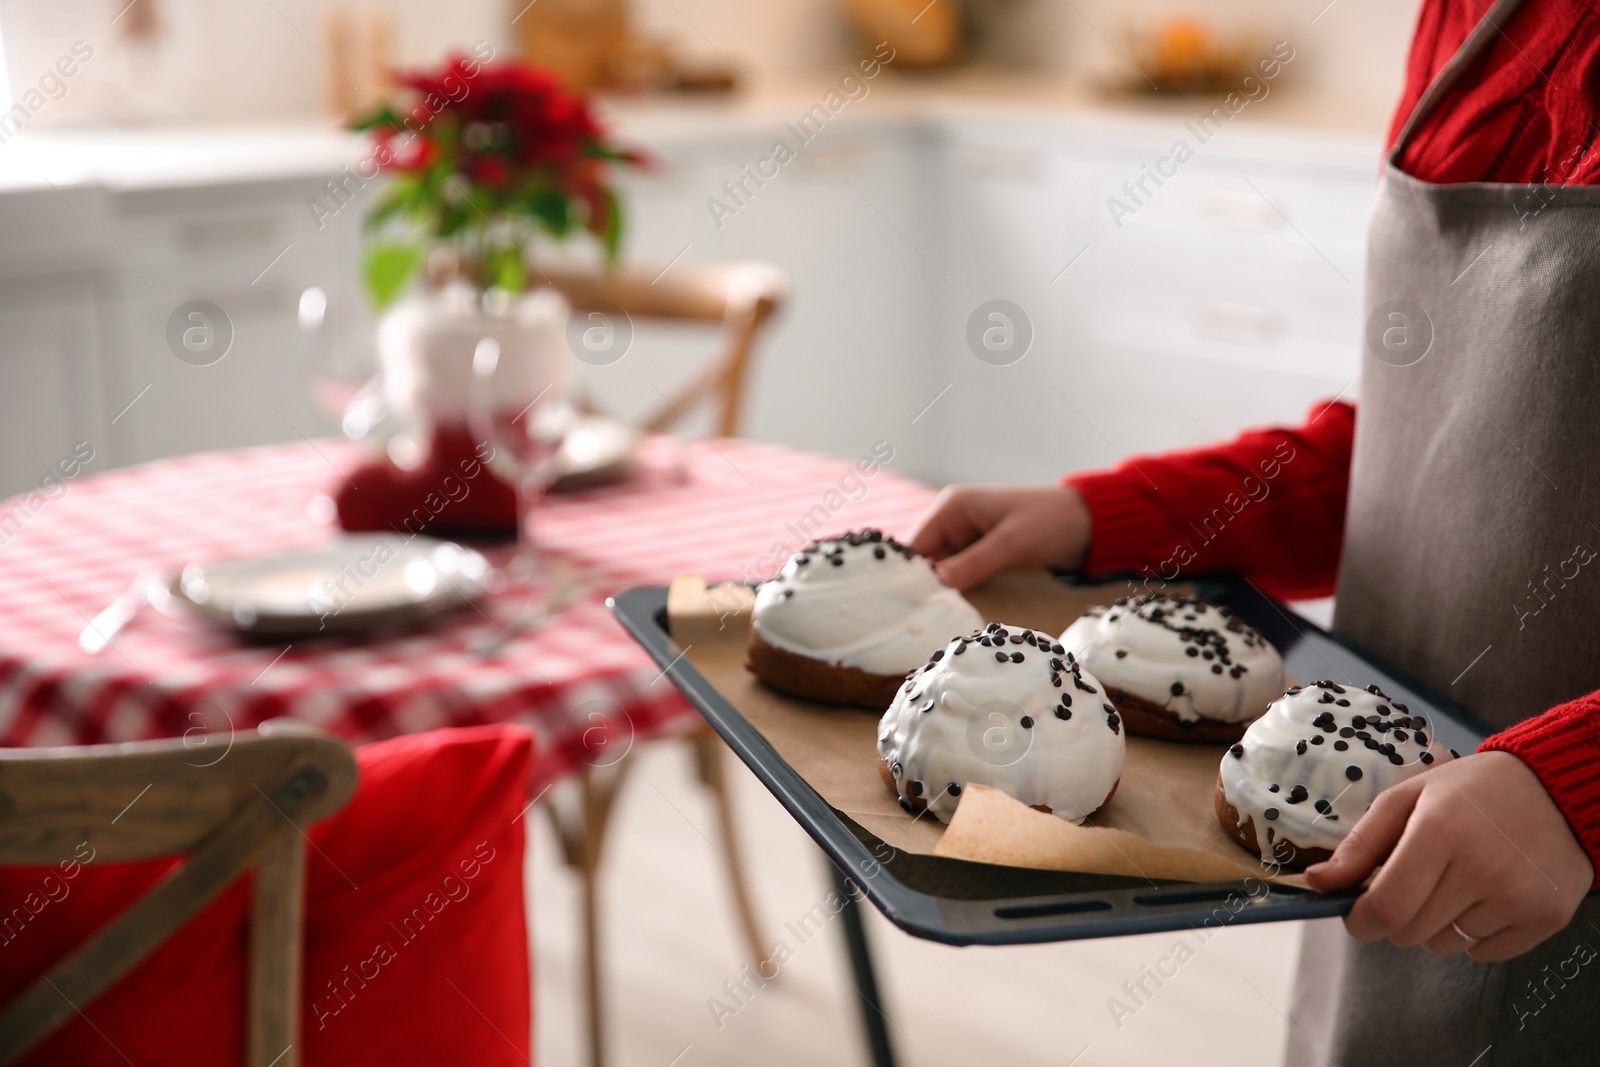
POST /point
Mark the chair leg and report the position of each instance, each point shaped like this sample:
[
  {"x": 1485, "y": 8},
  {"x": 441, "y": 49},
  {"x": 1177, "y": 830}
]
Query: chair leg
[
  {"x": 595, "y": 807},
  {"x": 709, "y": 753},
  {"x": 276, "y": 913},
  {"x": 582, "y": 833}
]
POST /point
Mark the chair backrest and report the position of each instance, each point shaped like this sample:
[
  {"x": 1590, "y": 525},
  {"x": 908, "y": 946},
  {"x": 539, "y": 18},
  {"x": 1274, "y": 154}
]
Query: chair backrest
[
  {"x": 741, "y": 296},
  {"x": 227, "y": 802}
]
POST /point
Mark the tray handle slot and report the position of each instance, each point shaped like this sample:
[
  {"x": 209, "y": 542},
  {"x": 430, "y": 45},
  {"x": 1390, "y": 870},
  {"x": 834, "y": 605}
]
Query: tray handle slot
[{"x": 1049, "y": 908}]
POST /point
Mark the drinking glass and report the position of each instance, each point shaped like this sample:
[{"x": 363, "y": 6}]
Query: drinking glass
[
  {"x": 517, "y": 422},
  {"x": 339, "y": 349}
]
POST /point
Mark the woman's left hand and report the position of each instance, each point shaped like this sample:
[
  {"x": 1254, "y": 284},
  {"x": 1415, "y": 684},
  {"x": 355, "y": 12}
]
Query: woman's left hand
[{"x": 1476, "y": 858}]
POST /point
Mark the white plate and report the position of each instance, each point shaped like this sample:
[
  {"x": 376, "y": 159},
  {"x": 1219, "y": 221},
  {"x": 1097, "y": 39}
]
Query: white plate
[{"x": 353, "y": 584}]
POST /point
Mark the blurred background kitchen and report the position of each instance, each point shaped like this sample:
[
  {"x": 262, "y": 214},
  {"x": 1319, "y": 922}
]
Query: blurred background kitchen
[{"x": 160, "y": 152}]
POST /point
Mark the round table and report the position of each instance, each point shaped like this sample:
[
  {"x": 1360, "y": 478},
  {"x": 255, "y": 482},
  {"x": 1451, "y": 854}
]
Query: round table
[{"x": 724, "y": 509}]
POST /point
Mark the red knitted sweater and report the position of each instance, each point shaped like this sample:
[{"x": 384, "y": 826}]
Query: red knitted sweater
[{"x": 1524, "y": 113}]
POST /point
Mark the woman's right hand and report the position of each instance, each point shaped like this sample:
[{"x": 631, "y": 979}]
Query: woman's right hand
[{"x": 972, "y": 531}]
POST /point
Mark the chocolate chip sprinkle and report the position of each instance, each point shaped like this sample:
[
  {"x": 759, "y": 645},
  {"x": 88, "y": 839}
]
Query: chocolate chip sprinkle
[
  {"x": 916, "y": 789},
  {"x": 1063, "y": 713},
  {"x": 954, "y": 789},
  {"x": 1353, "y": 773},
  {"x": 1016, "y": 657},
  {"x": 1270, "y": 813},
  {"x": 1238, "y": 751}
]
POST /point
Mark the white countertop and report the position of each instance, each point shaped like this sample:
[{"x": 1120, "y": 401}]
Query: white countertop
[{"x": 164, "y": 157}]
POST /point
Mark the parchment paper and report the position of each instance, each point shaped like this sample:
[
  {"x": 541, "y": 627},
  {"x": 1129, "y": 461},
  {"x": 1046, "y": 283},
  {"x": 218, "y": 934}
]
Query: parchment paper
[{"x": 1160, "y": 824}]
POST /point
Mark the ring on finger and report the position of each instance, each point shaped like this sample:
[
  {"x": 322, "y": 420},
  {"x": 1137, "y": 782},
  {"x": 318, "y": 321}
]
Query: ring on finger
[{"x": 1468, "y": 938}]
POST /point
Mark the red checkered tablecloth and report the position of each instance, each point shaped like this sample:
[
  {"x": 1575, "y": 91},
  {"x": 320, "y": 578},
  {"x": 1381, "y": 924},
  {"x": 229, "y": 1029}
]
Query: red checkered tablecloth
[{"x": 723, "y": 509}]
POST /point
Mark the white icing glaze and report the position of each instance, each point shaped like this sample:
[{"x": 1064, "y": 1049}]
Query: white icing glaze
[
  {"x": 988, "y": 709},
  {"x": 1296, "y": 745},
  {"x": 1143, "y": 647},
  {"x": 880, "y": 608}
]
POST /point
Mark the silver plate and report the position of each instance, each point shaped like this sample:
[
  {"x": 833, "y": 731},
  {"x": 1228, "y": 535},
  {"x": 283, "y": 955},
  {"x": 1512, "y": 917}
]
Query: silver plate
[{"x": 352, "y": 585}]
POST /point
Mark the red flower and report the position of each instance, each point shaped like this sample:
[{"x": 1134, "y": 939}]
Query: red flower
[
  {"x": 530, "y": 152},
  {"x": 490, "y": 170}
]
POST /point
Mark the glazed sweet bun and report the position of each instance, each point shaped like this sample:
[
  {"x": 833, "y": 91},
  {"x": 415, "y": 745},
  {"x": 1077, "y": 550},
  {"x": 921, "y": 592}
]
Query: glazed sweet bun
[
  {"x": 1309, "y": 768},
  {"x": 846, "y": 618},
  {"x": 1008, "y": 708},
  {"x": 1178, "y": 668}
]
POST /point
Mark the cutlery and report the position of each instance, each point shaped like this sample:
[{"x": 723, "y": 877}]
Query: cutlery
[{"x": 145, "y": 590}]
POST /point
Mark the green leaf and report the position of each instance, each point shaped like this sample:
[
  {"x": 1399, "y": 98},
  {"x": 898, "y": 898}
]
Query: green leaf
[
  {"x": 388, "y": 267},
  {"x": 506, "y": 270},
  {"x": 385, "y": 115},
  {"x": 610, "y": 232}
]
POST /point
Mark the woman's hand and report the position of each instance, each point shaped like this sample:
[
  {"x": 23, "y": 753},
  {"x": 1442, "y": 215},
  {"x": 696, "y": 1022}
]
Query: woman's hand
[
  {"x": 972, "y": 531},
  {"x": 1477, "y": 843}
]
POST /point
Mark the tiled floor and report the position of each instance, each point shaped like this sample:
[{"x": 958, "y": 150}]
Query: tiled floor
[{"x": 671, "y": 946}]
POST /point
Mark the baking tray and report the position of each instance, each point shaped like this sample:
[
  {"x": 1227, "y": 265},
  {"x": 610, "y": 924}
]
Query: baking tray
[{"x": 958, "y": 902}]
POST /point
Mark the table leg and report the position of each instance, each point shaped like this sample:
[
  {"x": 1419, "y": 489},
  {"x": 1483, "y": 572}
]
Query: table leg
[{"x": 855, "y": 936}]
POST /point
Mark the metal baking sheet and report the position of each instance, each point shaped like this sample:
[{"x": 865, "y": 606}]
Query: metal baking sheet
[{"x": 961, "y": 903}]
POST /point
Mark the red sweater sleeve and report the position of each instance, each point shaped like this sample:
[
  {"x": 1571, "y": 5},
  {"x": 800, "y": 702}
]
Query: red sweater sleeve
[
  {"x": 1268, "y": 506},
  {"x": 1561, "y": 747}
]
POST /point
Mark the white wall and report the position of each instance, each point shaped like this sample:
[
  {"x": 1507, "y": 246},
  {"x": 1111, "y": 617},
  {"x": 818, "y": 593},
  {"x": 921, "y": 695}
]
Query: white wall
[
  {"x": 221, "y": 60},
  {"x": 1349, "y": 49},
  {"x": 229, "y": 59}
]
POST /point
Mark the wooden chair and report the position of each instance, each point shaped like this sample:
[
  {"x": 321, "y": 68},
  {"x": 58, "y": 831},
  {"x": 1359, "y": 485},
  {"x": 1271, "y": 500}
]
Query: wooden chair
[
  {"x": 740, "y": 298},
  {"x": 234, "y": 804}
]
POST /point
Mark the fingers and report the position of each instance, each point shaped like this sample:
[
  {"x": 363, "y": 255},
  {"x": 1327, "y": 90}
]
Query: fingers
[
  {"x": 1447, "y": 942},
  {"x": 994, "y": 551},
  {"x": 1368, "y": 842},
  {"x": 945, "y": 527},
  {"x": 1501, "y": 933},
  {"x": 1410, "y": 878},
  {"x": 1455, "y": 892}
]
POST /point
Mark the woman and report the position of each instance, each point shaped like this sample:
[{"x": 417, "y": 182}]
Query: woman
[{"x": 1455, "y": 521}]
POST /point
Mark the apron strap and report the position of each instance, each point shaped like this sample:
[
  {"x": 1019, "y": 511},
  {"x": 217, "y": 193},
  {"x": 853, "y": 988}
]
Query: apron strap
[{"x": 1451, "y": 73}]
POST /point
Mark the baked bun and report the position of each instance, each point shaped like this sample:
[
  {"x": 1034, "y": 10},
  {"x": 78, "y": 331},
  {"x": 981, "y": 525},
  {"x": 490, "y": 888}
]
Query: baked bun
[
  {"x": 1007, "y": 708},
  {"x": 846, "y": 618},
  {"x": 1310, "y": 767},
  {"x": 1178, "y": 668}
]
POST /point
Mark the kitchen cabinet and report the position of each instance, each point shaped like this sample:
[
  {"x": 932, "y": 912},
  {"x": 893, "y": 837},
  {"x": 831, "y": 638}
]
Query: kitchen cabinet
[
  {"x": 838, "y": 369},
  {"x": 1230, "y": 297},
  {"x": 249, "y": 249},
  {"x": 50, "y": 396}
]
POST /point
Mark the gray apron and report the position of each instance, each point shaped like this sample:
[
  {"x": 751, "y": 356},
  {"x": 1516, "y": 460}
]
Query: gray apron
[{"x": 1470, "y": 562}]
